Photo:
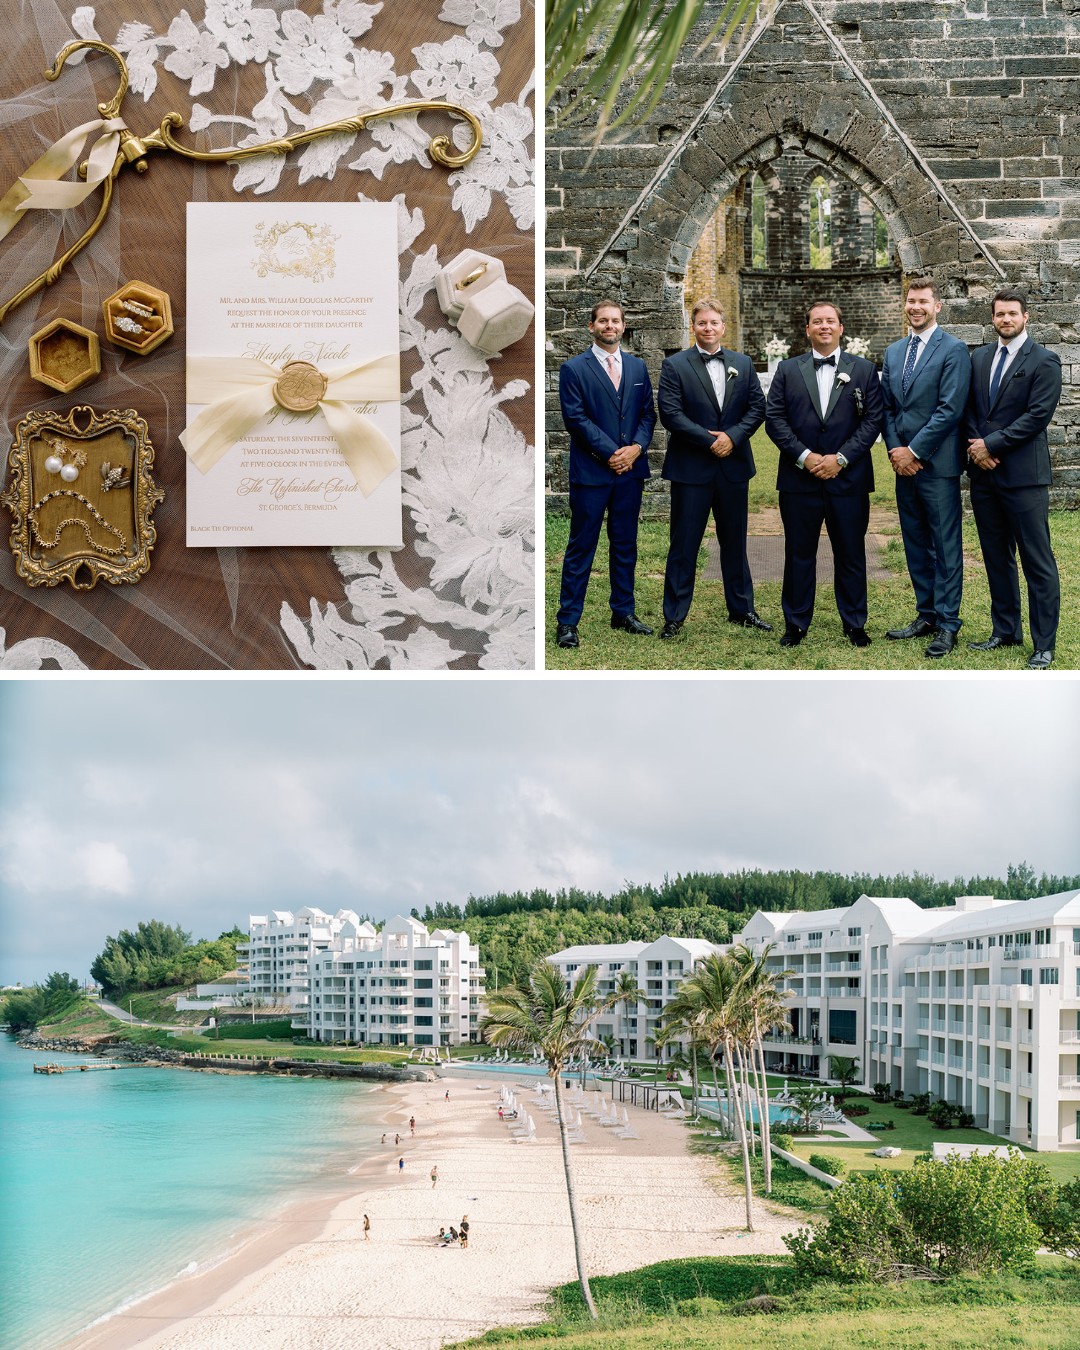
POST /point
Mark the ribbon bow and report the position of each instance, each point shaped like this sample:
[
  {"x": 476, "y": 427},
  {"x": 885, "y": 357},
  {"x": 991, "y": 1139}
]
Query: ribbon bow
[
  {"x": 241, "y": 390},
  {"x": 40, "y": 188}
]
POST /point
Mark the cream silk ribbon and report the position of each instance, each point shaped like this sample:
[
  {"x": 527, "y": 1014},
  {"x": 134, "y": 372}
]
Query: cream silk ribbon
[
  {"x": 38, "y": 187},
  {"x": 240, "y": 390}
]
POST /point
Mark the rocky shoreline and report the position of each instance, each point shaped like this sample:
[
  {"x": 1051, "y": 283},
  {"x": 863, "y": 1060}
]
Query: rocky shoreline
[{"x": 153, "y": 1056}]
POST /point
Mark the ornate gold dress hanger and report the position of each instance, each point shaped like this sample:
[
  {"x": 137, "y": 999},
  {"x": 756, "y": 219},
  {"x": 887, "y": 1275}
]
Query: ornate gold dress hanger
[{"x": 42, "y": 185}]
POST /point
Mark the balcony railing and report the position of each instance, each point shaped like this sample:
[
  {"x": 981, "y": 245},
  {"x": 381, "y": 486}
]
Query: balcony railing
[
  {"x": 1003, "y": 1075},
  {"x": 937, "y": 1057},
  {"x": 1068, "y": 1038},
  {"x": 1023, "y": 1080},
  {"x": 1070, "y": 1082},
  {"x": 956, "y": 1061}
]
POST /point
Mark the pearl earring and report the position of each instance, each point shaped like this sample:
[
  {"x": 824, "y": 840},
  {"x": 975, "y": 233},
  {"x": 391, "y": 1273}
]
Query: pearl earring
[{"x": 64, "y": 460}]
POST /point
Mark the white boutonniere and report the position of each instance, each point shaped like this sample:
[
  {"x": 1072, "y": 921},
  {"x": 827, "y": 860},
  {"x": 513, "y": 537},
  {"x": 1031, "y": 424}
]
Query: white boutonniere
[
  {"x": 732, "y": 373},
  {"x": 842, "y": 377}
]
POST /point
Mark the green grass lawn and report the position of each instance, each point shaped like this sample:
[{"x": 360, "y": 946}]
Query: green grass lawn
[
  {"x": 709, "y": 642},
  {"x": 915, "y": 1134},
  {"x": 699, "y": 1304}
]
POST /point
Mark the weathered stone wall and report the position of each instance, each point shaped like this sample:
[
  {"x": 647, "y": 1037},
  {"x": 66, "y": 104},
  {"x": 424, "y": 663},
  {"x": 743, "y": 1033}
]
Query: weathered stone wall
[
  {"x": 775, "y": 302},
  {"x": 960, "y": 121}
]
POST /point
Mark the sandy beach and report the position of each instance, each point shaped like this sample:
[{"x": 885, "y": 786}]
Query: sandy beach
[{"x": 312, "y": 1282}]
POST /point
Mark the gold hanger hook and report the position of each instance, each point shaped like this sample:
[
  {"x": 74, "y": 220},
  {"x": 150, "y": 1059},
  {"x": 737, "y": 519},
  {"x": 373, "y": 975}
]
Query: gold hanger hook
[{"x": 112, "y": 108}]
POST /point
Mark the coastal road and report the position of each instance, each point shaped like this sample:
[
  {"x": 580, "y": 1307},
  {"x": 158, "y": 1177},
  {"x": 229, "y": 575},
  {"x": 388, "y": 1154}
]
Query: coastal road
[{"x": 124, "y": 1016}]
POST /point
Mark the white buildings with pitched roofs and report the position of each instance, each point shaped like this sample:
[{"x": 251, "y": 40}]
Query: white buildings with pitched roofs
[
  {"x": 345, "y": 980},
  {"x": 977, "y": 1002}
]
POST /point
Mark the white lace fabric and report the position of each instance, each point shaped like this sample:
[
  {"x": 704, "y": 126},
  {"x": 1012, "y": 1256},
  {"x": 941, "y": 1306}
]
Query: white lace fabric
[{"x": 460, "y": 595}]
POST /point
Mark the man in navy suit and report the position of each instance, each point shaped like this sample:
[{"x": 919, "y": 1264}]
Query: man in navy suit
[
  {"x": 711, "y": 403},
  {"x": 1015, "y": 388},
  {"x": 607, "y": 407},
  {"x": 823, "y": 414},
  {"x": 924, "y": 385}
]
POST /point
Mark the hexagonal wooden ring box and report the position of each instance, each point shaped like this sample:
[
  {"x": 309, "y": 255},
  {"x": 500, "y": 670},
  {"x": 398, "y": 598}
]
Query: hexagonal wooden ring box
[
  {"x": 64, "y": 355},
  {"x": 138, "y": 316}
]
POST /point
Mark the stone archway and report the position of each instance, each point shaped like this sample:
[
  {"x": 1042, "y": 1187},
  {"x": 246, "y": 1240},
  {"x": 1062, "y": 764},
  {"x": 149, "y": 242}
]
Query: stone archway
[{"x": 969, "y": 186}]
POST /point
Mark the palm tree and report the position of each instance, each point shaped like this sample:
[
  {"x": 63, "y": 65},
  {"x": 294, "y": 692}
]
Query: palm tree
[
  {"x": 546, "y": 1015},
  {"x": 604, "y": 43},
  {"x": 764, "y": 1011},
  {"x": 709, "y": 999}
]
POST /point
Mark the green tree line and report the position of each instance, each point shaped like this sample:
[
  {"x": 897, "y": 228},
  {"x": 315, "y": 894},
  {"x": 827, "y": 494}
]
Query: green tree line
[
  {"x": 157, "y": 956},
  {"x": 513, "y": 929},
  {"x": 24, "y": 1009}
]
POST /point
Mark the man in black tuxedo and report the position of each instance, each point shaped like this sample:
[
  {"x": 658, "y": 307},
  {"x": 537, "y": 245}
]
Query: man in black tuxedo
[
  {"x": 1015, "y": 388},
  {"x": 607, "y": 406},
  {"x": 824, "y": 413},
  {"x": 711, "y": 403}
]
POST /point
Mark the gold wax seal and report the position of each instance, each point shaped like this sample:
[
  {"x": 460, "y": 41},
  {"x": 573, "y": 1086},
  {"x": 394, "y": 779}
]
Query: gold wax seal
[{"x": 300, "y": 388}]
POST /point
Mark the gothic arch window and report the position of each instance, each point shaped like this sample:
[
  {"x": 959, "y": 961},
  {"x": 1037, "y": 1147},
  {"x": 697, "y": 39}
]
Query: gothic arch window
[
  {"x": 759, "y": 251},
  {"x": 819, "y": 211}
]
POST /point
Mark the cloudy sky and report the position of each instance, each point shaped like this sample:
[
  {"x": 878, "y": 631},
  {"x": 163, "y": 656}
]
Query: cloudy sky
[{"x": 201, "y": 802}]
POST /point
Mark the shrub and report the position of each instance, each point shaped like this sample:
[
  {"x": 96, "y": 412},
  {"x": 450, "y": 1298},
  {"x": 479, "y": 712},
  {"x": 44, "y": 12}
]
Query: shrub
[
  {"x": 965, "y": 1120},
  {"x": 881, "y": 1092},
  {"x": 920, "y": 1103},
  {"x": 784, "y": 1141},
  {"x": 856, "y": 1109},
  {"x": 1060, "y": 1222},
  {"x": 940, "y": 1115},
  {"x": 832, "y": 1167},
  {"x": 953, "y": 1217}
]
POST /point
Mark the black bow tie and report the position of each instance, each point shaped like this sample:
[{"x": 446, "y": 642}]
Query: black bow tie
[
  {"x": 713, "y": 356},
  {"x": 820, "y": 361}
]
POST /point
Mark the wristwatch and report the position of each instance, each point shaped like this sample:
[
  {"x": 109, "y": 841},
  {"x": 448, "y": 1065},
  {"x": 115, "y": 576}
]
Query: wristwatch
[{"x": 841, "y": 461}]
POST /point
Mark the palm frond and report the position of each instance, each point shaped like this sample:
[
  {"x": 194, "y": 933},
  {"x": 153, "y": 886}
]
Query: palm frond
[{"x": 607, "y": 43}]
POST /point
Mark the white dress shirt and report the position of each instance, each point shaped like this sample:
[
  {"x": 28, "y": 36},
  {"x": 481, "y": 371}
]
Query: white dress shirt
[
  {"x": 602, "y": 356},
  {"x": 826, "y": 378},
  {"x": 717, "y": 374}
]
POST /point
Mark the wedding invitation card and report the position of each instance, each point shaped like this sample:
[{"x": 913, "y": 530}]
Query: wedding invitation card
[{"x": 293, "y": 429}]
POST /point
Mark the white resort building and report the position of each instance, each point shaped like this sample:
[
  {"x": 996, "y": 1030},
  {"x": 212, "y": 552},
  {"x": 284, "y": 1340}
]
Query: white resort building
[
  {"x": 977, "y": 1002},
  {"x": 344, "y": 980},
  {"x": 658, "y": 967}
]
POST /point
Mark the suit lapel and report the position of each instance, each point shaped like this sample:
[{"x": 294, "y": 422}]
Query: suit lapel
[
  {"x": 698, "y": 365},
  {"x": 806, "y": 370},
  {"x": 603, "y": 379},
  {"x": 843, "y": 363},
  {"x": 928, "y": 356},
  {"x": 1017, "y": 363}
]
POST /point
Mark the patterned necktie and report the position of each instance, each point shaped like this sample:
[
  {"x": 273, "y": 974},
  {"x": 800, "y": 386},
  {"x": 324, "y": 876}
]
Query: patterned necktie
[
  {"x": 909, "y": 364},
  {"x": 613, "y": 371},
  {"x": 995, "y": 378}
]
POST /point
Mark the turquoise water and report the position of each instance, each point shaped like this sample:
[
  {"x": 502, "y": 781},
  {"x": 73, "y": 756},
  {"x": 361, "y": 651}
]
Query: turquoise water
[{"x": 113, "y": 1183}]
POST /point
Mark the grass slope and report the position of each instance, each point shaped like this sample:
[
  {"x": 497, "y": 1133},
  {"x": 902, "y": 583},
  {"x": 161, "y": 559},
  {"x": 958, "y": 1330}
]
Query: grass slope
[
  {"x": 695, "y": 1304},
  {"x": 709, "y": 642}
]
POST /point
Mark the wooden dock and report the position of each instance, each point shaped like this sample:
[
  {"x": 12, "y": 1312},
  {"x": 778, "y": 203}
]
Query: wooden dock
[{"x": 73, "y": 1068}]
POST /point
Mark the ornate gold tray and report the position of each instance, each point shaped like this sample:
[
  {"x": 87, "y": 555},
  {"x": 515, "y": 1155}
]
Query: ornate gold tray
[{"x": 82, "y": 496}]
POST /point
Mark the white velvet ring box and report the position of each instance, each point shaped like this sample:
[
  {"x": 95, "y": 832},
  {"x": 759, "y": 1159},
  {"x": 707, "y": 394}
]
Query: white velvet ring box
[
  {"x": 475, "y": 295},
  {"x": 464, "y": 276}
]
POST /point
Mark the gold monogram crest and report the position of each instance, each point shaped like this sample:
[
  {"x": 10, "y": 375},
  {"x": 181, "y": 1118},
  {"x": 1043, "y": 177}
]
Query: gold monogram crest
[{"x": 295, "y": 249}]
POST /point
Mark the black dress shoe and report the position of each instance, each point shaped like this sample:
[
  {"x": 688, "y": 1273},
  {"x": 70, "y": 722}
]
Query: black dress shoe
[
  {"x": 630, "y": 623},
  {"x": 942, "y": 644},
  {"x": 566, "y": 635},
  {"x": 992, "y": 643},
  {"x": 858, "y": 637},
  {"x": 751, "y": 620},
  {"x": 671, "y": 628},
  {"x": 917, "y": 628},
  {"x": 792, "y": 636},
  {"x": 1041, "y": 661}
]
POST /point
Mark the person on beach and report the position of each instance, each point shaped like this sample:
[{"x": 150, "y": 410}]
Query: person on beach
[
  {"x": 444, "y": 1237},
  {"x": 464, "y": 1230},
  {"x": 434, "y": 1176},
  {"x": 452, "y": 1236},
  {"x": 400, "y": 1165},
  {"x": 397, "y": 1140},
  {"x": 367, "y": 1229},
  {"x": 412, "y": 1124},
  {"x": 447, "y": 1097},
  {"x": 384, "y": 1139}
]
